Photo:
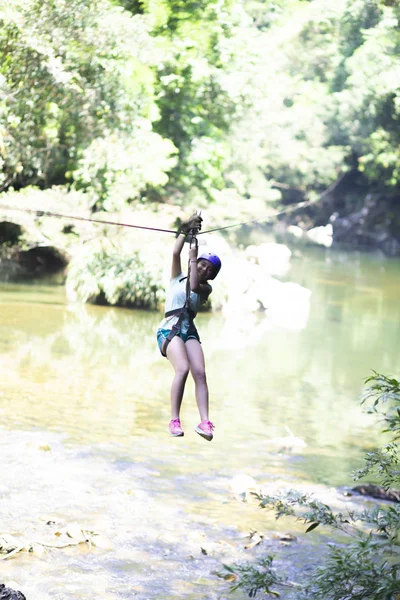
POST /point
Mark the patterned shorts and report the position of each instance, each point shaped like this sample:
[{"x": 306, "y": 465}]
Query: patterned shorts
[{"x": 190, "y": 334}]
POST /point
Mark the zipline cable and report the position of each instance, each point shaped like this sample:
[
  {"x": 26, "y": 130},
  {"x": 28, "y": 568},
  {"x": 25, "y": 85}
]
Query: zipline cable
[
  {"x": 44, "y": 213},
  {"x": 264, "y": 219}
]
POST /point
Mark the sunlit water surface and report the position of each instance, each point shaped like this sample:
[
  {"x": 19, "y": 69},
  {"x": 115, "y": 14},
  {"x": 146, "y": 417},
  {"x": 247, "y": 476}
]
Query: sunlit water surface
[{"x": 84, "y": 409}]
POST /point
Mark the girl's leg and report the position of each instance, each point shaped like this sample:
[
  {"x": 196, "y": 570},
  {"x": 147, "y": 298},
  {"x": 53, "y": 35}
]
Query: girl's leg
[
  {"x": 198, "y": 371},
  {"x": 176, "y": 354}
]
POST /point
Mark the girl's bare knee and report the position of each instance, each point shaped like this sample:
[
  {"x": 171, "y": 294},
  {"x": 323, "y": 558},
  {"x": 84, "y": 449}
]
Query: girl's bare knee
[
  {"x": 199, "y": 376},
  {"x": 182, "y": 372}
]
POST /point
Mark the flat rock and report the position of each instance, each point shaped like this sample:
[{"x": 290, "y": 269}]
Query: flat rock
[{"x": 376, "y": 491}]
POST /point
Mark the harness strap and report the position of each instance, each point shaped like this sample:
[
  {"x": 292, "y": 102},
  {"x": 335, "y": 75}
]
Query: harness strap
[
  {"x": 180, "y": 311},
  {"x": 171, "y": 313},
  {"x": 177, "y": 311},
  {"x": 175, "y": 329}
]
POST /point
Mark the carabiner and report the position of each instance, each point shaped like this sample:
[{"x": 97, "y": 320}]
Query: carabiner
[{"x": 193, "y": 238}]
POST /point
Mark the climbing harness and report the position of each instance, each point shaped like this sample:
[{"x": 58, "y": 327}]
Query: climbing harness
[{"x": 185, "y": 309}]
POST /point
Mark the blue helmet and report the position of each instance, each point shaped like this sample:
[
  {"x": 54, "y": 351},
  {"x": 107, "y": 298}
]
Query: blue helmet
[{"x": 214, "y": 260}]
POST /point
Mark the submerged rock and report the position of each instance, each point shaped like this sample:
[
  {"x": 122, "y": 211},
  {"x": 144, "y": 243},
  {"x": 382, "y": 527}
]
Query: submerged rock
[
  {"x": 322, "y": 236},
  {"x": 376, "y": 491},
  {"x": 7, "y": 593},
  {"x": 242, "y": 485},
  {"x": 287, "y": 444},
  {"x": 316, "y": 236},
  {"x": 274, "y": 259}
]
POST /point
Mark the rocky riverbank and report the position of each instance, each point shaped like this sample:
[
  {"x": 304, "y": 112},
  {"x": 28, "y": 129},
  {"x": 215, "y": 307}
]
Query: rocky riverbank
[{"x": 347, "y": 215}]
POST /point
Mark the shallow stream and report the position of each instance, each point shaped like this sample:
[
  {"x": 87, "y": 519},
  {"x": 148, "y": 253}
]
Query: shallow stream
[{"x": 84, "y": 412}]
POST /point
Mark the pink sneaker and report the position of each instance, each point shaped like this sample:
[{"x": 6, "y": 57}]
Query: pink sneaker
[
  {"x": 175, "y": 428},
  {"x": 205, "y": 429}
]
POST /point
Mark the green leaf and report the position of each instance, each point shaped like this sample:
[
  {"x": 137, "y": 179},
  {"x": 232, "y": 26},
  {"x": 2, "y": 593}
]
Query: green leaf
[{"x": 312, "y": 526}]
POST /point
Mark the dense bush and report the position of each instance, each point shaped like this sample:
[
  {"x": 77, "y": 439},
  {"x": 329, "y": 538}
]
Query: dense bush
[{"x": 101, "y": 276}]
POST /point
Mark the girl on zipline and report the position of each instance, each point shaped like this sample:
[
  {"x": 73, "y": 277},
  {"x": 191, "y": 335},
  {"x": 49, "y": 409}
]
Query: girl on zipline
[{"x": 177, "y": 335}]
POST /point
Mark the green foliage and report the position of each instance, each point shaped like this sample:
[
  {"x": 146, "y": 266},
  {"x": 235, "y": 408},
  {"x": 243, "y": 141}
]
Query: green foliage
[
  {"x": 383, "y": 398},
  {"x": 70, "y": 73},
  {"x": 256, "y": 578},
  {"x": 358, "y": 572},
  {"x": 196, "y": 107},
  {"x": 114, "y": 169},
  {"x": 286, "y": 131},
  {"x": 103, "y": 276},
  {"x": 194, "y": 113},
  {"x": 134, "y": 6},
  {"x": 367, "y": 567},
  {"x": 265, "y": 14},
  {"x": 172, "y": 15},
  {"x": 114, "y": 101},
  {"x": 369, "y": 100},
  {"x": 357, "y": 17},
  {"x": 172, "y": 100},
  {"x": 325, "y": 96},
  {"x": 382, "y": 390}
]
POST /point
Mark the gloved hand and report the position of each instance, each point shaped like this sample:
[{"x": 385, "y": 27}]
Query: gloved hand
[{"x": 194, "y": 222}]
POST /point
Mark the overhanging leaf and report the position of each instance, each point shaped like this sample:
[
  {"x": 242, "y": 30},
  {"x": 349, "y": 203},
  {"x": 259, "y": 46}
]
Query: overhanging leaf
[{"x": 312, "y": 526}]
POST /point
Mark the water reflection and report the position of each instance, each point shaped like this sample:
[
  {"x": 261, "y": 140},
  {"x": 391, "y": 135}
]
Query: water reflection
[{"x": 79, "y": 368}]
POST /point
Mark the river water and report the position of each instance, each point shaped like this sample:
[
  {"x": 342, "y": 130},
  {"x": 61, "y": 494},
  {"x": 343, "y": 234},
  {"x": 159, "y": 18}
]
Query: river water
[{"x": 84, "y": 412}]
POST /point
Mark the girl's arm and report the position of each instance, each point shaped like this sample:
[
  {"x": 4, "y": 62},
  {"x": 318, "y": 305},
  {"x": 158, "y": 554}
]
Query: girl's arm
[
  {"x": 193, "y": 223},
  {"x": 203, "y": 289},
  {"x": 176, "y": 267}
]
